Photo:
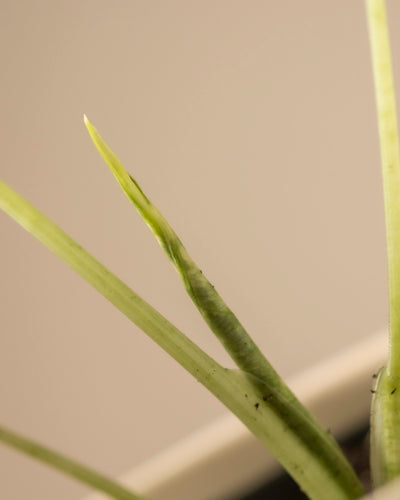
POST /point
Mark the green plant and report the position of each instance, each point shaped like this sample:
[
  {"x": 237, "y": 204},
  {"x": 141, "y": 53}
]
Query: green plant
[{"x": 254, "y": 392}]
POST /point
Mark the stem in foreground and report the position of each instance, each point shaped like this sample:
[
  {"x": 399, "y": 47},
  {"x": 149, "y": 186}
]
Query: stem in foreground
[
  {"x": 219, "y": 317},
  {"x": 302, "y": 446},
  {"x": 385, "y": 422}
]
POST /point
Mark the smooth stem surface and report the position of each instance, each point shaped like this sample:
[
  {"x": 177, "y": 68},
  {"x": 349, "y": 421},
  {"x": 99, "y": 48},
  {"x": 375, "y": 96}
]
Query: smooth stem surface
[
  {"x": 389, "y": 142},
  {"x": 385, "y": 415},
  {"x": 66, "y": 465},
  {"x": 308, "y": 452}
]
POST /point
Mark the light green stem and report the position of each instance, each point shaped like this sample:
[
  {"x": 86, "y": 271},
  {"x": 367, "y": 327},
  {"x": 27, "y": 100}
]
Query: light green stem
[
  {"x": 66, "y": 465},
  {"x": 385, "y": 421},
  {"x": 385, "y": 415},
  {"x": 217, "y": 314},
  {"x": 309, "y": 453},
  {"x": 237, "y": 342},
  {"x": 389, "y": 141},
  {"x": 221, "y": 320}
]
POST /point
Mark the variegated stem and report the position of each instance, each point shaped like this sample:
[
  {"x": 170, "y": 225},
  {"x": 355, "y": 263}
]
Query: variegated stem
[{"x": 229, "y": 331}]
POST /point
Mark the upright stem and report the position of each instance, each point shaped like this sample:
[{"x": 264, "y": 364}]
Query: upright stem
[
  {"x": 388, "y": 134},
  {"x": 385, "y": 414}
]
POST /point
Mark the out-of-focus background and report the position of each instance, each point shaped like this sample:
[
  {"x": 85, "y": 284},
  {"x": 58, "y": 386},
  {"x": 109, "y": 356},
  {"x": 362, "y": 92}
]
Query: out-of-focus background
[{"x": 251, "y": 124}]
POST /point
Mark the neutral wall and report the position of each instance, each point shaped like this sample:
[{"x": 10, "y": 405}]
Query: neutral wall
[{"x": 251, "y": 124}]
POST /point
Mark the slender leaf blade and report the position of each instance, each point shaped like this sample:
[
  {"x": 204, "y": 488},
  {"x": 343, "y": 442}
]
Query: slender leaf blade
[
  {"x": 259, "y": 373},
  {"x": 66, "y": 465}
]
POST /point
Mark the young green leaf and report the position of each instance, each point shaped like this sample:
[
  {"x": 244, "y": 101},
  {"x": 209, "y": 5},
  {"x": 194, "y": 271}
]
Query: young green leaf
[
  {"x": 302, "y": 446},
  {"x": 255, "y": 368},
  {"x": 216, "y": 313},
  {"x": 66, "y": 465}
]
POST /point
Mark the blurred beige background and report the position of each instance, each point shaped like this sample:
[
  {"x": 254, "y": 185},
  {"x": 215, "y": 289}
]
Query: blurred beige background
[{"x": 251, "y": 124}]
